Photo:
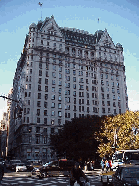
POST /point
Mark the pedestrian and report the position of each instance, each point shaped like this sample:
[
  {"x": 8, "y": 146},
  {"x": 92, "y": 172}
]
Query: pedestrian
[
  {"x": 102, "y": 164},
  {"x": 85, "y": 166},
  {"x": 110, "y": 164},
  {"x": 1, "y": 171},
  {"x": 76, "y": 174},
  {"x": 107, "y": 165}
]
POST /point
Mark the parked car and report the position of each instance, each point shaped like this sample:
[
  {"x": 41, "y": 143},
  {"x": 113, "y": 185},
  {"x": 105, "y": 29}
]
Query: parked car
[
  {"x": 21, "y": 167},
  {"x": 126, "y": 175},
  {"x": 13, "y": 164},
  {"x": 29, "y": 165},
  {"x": 62, "y": 165}
]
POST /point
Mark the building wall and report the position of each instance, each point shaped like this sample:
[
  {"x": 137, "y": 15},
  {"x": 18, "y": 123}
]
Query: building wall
[{"x": 65, "y": 73}]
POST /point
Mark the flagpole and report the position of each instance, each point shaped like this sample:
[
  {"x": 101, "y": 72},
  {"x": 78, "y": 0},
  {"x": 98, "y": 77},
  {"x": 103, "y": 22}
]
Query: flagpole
[
  {"x": 97, "y": 30},
  {"x": 40, "y": 4}
]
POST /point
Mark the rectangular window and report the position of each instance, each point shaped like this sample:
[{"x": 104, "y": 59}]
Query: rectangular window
[
  {"x": 103, "y": 110},
  {"x": 59, "y": 113},
  {"x": 59, "y": 91},
  {"x": 40, "y": 65},
  {"x": 52, "y": 121},
  {"x": 38, "y": 103},
  {"x": 45, "y": 112},
  {"x": 38, "y": 112},
  {"x": 53, "y": 105},
  {"x": 44, "y": 139},
  {"x": 37, "y": 129},
  {"x": 39, "y": 87},
  {"x": 74, "y": 93},
  {"x": 46, "y": 96},
  {"x": 39, "y": 95},
  {"x": 60, "y": 69},
  {"x": 27, "y": 119},
  {"x": 47, "y": 74},
  {"x": 39, "y": 81},
  {"x": 38, "y": 120},
  {"x": 74, "y": 79},
  {"x": 60, "y": 83},
  {"x": 53, "y": 82},
  {"x": 59, "y": 121},
  {"x": 59, "y": 98},
  {"x": 53, "y": 89},
  {"x": 45, "y": 104},
  {"x": 45, "y": 120},
  {"x": 74, "y": 72},
  {"x": 74, "y": 86},
  {"x": 29, "y": 94},
  {"x": 28, "y": 110},
  {"x": 46, "y": 88},
  {"x": 25, "y": 94},
  {"x": 46, "y": 81},
  {"x": 40, "y": 72},
  {"x": 52, "y": 113},
  {"x": 53, "y": 74},
  {"x": 53, "y": 97},
  {"x": 60, "y": 76},
  {"x": 59, "y": 105},
  {"x": 37, "y": 139}
]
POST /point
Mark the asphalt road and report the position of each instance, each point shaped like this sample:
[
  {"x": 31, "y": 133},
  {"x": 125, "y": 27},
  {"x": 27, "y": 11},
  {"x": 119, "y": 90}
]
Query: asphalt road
[{"x": 23, "y": 179}]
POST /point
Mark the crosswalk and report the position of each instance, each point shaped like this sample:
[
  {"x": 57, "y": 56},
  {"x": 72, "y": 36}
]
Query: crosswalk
[{"x": 50, "y": 181}]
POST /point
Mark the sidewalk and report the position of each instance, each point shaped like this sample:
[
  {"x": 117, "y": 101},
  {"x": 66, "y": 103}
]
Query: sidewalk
[
  {"x": 17, "y": 174},
  {"x": 95, "y": 172}
]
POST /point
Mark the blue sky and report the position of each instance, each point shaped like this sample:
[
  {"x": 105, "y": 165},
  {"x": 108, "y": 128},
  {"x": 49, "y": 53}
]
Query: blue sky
[{"x": 121, "y": 18}]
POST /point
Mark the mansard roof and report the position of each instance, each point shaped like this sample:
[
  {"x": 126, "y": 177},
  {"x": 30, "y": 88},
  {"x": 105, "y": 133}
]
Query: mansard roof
[{"x": 80, "y": 36}]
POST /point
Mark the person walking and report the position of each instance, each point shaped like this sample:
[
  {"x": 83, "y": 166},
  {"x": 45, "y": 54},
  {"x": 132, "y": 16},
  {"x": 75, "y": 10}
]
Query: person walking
[
  {"x": 110, "y": 164},
  {"x": 76, "y": 174},
  {"x": 107, "y": 165},
  {"x": 1, "y": 171},
  {"x": 102, "y": 165}
]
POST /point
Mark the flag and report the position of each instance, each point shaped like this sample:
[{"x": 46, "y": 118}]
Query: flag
[
  {"x": 40, "y": 4},
  {"x": 98, "y": 20}
]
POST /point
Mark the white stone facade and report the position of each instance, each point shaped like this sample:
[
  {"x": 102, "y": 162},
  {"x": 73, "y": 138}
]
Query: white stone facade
[{"x": 64, "y": 73}]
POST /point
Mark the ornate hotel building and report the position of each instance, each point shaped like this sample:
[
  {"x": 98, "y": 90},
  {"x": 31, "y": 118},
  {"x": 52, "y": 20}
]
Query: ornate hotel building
[{"x": 63, "y": 73}]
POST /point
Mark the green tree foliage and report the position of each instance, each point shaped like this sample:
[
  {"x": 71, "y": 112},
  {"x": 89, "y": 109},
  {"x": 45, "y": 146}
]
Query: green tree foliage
[
  {"x": 125, "y": 127},
  {"x": 78, "y": 138}
]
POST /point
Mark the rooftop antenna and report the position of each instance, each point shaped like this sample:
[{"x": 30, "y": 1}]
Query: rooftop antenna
[
  {"x": 97, "y": 31},
  {"x": 40, "y": 4}
]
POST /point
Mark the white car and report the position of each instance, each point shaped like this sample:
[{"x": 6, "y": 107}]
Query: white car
[
  {"x": 21, "y": 167},
  {"x": 116, "y": 163}
]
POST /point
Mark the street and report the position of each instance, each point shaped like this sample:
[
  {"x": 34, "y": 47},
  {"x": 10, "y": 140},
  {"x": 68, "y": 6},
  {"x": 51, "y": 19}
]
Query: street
[{"x": 23, "y": 179}]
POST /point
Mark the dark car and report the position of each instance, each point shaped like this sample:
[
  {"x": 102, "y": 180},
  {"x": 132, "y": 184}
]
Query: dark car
[
  {"x": 29, "y": 165},
  {"x": 62, "y": 165},
  {"x": 126, "y": 175}
]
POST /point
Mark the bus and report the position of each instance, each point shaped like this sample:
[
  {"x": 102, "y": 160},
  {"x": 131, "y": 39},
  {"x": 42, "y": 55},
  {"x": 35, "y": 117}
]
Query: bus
[{"x": 125, "y": 157}]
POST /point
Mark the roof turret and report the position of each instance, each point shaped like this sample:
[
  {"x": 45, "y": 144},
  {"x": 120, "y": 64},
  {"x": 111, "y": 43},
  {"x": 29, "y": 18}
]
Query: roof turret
[{"x": 33, "y": 25}]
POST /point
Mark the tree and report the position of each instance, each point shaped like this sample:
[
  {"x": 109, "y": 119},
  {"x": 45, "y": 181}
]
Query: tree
[
  {"x": 78, "y": 138},
  {"x": 119, "y": 132}
]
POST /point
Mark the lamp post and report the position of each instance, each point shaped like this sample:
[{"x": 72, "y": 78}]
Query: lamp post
[{"x": 115, "y": 140}]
